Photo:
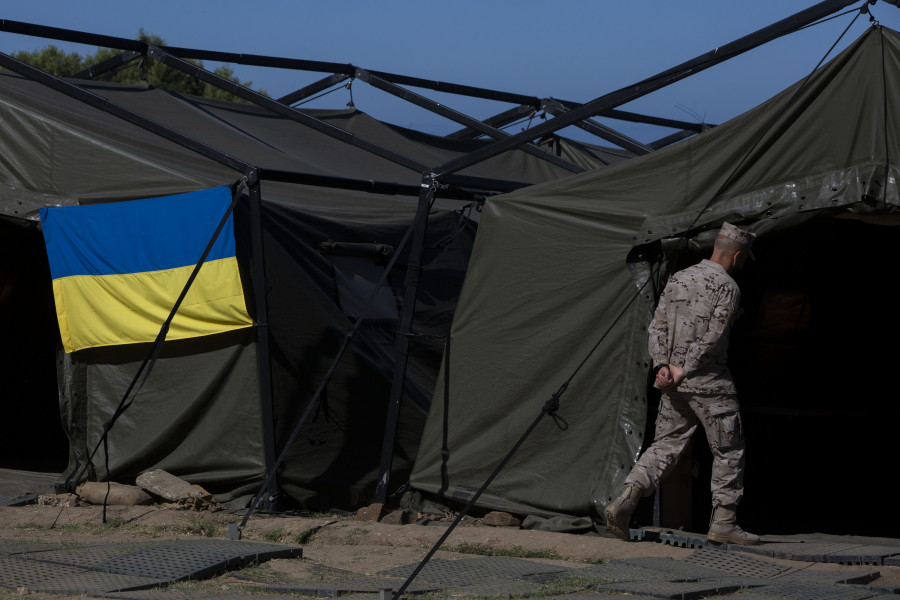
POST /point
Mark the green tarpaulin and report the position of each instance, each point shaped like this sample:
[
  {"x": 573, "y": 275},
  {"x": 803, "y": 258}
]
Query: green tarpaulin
[{"x": 563, "y": 266}]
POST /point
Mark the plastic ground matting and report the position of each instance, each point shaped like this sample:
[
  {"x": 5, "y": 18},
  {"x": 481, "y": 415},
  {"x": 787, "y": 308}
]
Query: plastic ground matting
[
  {"x": 464, "y": 572},
  {"x": 683, "y": 570},
  {"x": 844, "y": 553},
  {"x": 102, "y": 568},
  {"x": 804, "y": 591},
  {"x": 735, "y": 563},
  {"x": 832, "y": 577},
  {"x": 680, "y": 539},
  {"x": 17, "y": 501},
  {"x": 193, "y": 594},
  {"x": 358, "y": 585},
  {"x": 613, "y": 572},
  {"x": 680, "y": 590}
]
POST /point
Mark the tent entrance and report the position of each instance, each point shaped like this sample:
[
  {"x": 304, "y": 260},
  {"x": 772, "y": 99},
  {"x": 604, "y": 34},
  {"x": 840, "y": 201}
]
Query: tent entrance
[
  {"x": 33, "y": 439},
  {"x": 813, "y": 359}
]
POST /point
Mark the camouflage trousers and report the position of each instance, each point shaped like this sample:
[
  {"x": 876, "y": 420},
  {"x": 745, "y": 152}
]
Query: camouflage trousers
[{"x": 679, "y": 414}]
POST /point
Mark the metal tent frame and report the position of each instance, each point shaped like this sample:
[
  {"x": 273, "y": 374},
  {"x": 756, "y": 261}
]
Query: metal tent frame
[{"x": 443, "y": 179}]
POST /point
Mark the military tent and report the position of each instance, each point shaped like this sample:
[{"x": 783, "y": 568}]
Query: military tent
[
  {"x": 200, "y": 415},
  {"x": 563, "y": 281}
]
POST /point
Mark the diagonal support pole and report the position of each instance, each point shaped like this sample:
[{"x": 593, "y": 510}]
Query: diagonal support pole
[
  {"x": 644, "y": 87},
  {"x": 107, "y": 65},
  {"x": 460, "y": 118},
  {"x": 556, "y": 108},
  {"x": 313, "y": 88},
  {"x": 497, "y": 121},
  {"x": 278, "y": 108}
]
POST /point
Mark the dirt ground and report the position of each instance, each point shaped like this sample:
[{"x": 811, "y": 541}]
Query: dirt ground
[{"x": 338, "y": 541}]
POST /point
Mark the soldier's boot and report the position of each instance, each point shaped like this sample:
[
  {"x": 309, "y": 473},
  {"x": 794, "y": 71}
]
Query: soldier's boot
[
  {"x": 618, "y": 512},
  {"x": 724, "y": 529}
]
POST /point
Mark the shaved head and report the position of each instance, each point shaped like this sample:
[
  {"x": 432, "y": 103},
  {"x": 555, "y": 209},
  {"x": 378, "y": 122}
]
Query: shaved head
[
  {"x": 728, "y": 245},
  {"x": 730, "y": 253}
]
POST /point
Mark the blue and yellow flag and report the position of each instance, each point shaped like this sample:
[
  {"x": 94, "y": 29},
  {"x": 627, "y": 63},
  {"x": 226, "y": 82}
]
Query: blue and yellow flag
[{"x": 118, "y": 269}]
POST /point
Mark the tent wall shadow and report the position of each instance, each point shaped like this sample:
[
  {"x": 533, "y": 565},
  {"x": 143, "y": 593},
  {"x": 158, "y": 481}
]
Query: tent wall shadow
[
  {"x": 197, "y": 416},
  {"x": 813, "y": 361},
  {"x": 335, "y": 460},
  {"x": 811, "y": 356},
  {"x": 33, "y": 438}
]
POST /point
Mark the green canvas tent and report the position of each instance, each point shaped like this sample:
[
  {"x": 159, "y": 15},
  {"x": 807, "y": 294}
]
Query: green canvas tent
[
  {"x": 199, "y": 415},
  {"x": 564, "y": 278}
]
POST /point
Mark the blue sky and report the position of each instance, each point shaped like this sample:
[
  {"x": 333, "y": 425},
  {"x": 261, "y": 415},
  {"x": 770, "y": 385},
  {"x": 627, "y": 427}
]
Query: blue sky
[{"x": 573, "y": 49}]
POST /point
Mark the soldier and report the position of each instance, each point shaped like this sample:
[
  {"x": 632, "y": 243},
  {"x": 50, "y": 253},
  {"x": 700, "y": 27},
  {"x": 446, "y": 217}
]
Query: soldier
[{"x": 688, "y": 344}]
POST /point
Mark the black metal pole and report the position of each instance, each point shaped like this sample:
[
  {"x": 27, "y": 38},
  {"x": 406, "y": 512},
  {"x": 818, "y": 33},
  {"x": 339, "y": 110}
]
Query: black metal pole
[
  {"x": 631, "y": 117},
  {"x": 401, "y": 348},
  {"x": 644, "y": 87},
  {"x": 462, "y": 119},
  {"x": 112, "y": 108},
  {"x": 314, "y": 88},
  {"x": 263, "y": 354},
  {"x": 158, "y": 54},
  {"x": 107, "y": 65},
  {"x": 498, "y": 120},
  {"x": 556, "y": 108}
]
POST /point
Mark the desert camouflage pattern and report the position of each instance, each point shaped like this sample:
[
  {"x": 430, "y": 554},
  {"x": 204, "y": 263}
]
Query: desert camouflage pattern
[
  {"x": 691, "y": 325},
  {"x": 679, "y": 414}
]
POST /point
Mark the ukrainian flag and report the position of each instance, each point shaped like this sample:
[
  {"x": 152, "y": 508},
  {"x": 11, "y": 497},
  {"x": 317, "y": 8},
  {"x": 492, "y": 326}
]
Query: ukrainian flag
[{"x": 119, "y": 268}]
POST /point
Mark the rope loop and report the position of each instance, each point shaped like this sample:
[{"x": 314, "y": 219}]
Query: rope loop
[
  {"x": 552, "y": 405},
  {"x": 561, "y": 423}
]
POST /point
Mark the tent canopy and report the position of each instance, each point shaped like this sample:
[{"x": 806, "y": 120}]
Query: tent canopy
[
  {"x": 570, "y": 270},
  {"x": 58, "y": 151}
]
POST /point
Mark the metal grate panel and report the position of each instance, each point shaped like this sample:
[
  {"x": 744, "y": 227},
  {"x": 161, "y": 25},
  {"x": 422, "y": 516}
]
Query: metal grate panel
[
  {"x": 86, "y": 557},
  {"x": 585, "y": 596},
  {"x": 456, "y": 573},
  {"x": 828, "y": 577},
  {"x": 862, "y": 555},
  {"x": 497, "y": 587},
  {"x": 11, "y": 547},
  {"x": 360, "y": 585},
  {"x": 16, "y": 573},
  {"x": 613, "y": 572},
  {"x": 803, "y": 591},
  {"x": 680, "y": 539},
  {"x": 180, "y": 594},
  {"x": 676, "y": 569},
  {"x": 93, "y": 582},
  {"x": 36, "y": 576},
  {"x": 98, "y": 568},
  {"x": 194, "y": 559},
  {"x": 735, "y": 563},
  {"x": 677, "y": 590}
]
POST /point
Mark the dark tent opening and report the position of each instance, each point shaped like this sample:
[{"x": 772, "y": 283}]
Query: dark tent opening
[
  {"x": 811, "y": 356},
  {"x": 33, "y": 439}
]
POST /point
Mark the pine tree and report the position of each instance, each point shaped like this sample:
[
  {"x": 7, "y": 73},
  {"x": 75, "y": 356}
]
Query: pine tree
[{"x": 57, "y": 62}]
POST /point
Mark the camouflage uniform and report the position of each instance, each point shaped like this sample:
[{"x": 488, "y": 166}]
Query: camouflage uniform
[{"x": 690, "y": 330}]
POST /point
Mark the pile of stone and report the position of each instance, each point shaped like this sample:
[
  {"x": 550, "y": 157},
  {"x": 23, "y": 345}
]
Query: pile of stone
[{"x": 152, "y": 487}]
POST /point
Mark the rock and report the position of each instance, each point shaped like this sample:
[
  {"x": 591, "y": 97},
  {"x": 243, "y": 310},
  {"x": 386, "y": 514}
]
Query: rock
[
  {"x": 167, "y": 486},
  {"x": 501, "y": 519},
  {"x": 94, "y": 492},
  {"x": 373, "y": 512},
  {"x": 57, "y": 500},
  {"x": 205, "y": 501},
  {"x": 398, "y": 517}
]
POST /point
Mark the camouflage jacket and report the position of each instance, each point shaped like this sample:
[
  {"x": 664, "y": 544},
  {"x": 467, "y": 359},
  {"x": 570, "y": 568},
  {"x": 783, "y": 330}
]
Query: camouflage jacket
[{"x": 691, "y": 324}]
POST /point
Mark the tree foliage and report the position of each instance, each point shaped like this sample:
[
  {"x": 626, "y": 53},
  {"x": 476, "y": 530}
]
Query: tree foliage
[{"x": 57, "y": 62}]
